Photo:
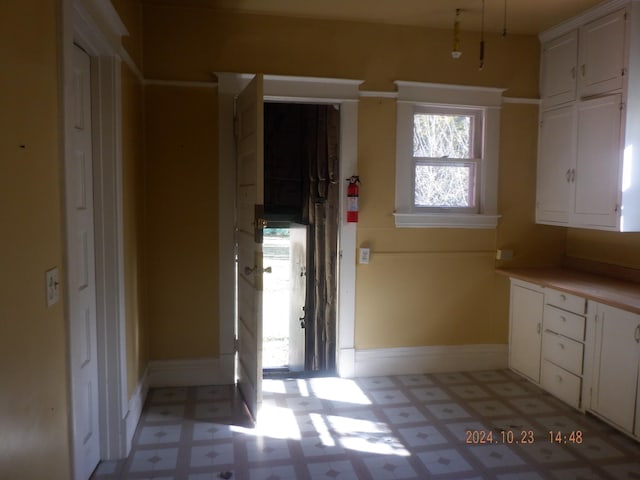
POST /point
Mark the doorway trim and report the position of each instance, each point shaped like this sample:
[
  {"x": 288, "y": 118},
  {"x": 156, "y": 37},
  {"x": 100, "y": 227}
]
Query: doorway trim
[
  {"x": 289, "y": 89},
  {"x": 97, "y": 28}
]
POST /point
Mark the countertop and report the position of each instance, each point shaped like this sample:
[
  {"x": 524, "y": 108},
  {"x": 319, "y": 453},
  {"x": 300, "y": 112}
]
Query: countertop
[{"x": 621, "y": 294}]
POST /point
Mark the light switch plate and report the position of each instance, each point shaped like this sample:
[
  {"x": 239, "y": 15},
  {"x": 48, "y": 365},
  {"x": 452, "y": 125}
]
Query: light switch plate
[
  {"x": 365, "y": 253},
  {"x": 51, "y": 286}
]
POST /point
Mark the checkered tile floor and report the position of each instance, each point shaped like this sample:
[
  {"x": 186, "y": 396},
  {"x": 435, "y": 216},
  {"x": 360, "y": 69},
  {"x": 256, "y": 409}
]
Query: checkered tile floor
[{"x": 396, "y": 427}]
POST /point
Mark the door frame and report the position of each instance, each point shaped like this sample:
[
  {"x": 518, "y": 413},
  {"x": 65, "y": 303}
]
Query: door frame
[
  {"x": 288, "y": 89},
  {"x": 97, "y": 28}
]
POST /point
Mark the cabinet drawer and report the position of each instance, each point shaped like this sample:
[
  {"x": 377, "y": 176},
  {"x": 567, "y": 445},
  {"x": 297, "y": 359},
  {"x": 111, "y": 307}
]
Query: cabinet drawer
[
  {"x": 566, "y": 301},
  {"x": 561, "y": 383},
  {"x": 562, "y": 351},
  {"x": 564, "y": 323}
]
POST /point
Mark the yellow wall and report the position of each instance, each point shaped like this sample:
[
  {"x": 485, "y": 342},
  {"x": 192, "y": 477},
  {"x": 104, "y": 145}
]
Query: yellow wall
[
  {"x": 34, "y": 435},
  {"x": 607, "y": 247},
  {"x": 423, "y": 286},
  {"x": 133, "y": 151},
  {"x": 130, "y": 12},
  {"x": 181, "y": 237},
  {"x": 133, "y": 155}
]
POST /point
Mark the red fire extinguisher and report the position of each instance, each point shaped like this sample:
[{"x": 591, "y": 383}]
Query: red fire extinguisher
[{"x": 352, "y": 199}]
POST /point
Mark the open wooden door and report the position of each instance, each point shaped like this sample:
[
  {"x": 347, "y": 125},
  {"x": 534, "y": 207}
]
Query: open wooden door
[
  {"x": 249, "y": 228},
  {"x": 81, "y": 291}
]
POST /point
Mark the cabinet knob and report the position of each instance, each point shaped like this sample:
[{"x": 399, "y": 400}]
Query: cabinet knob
[
  {"x": 563, "y": 297},
  {"x": 563, "y": 318},
  {"x": 559, "y": 378}
]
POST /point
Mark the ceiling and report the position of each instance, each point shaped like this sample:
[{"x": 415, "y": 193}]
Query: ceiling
[{"x": 523, "y": 16}]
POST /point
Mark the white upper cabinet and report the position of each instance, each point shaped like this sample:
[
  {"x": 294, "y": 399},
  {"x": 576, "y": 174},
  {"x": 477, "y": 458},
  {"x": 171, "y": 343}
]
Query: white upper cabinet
[
  {"x": 595, "y": 179},
  {"x": 556, "y": 161},
  {"x": 559, "y": 69},
  {"x": 602, "y": 53},
  {"x": 589, "y": 138}
]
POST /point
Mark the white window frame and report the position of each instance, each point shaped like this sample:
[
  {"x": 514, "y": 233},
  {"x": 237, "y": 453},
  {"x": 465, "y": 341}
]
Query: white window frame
[{"x": 412, "y": 96}]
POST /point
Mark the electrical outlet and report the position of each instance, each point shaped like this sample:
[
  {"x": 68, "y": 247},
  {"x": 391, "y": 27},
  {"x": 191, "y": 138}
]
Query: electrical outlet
[
  {"x": 504, "y": 254},
  {"x": 51, "y": 286},
  {"x": 365, "y": 253}
]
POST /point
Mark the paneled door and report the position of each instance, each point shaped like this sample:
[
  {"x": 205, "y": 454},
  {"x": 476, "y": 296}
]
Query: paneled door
[
  {"x": 249, "y": 233},
  {"x": 81, "y": 288}
]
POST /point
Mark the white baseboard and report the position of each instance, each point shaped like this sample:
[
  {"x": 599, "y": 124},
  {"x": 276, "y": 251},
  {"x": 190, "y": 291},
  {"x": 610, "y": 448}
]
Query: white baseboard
[
  {"x": 136, "y": 402},
  {"x": 192, "y": 372},
  {"x": 434, "y": 359}
]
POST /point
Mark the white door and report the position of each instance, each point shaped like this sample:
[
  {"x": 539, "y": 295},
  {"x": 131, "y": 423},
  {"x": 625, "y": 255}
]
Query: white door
[
  {"x": 81, "y": 291},
  {"x": 558, "y": 77},
  {"x": 597, "y": 162},
  {"x": 616, "y": 366},
  {"x": 249, "y": 232},
  {"x": 297, "y": 296},
  {"x": 556, "y": 158},
  {"x": 525, "y": 331}
]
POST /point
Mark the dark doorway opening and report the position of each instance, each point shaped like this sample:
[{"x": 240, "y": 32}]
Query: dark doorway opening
[{"x": 301, "y": 188}]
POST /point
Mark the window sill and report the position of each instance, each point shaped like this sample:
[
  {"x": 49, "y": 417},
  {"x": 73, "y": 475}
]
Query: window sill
[{"x": 445, "y": 220}]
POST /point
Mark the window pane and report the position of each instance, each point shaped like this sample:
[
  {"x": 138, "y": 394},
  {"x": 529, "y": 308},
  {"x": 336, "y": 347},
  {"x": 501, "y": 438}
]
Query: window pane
[
  {"x": 439, "y": 136},
  {"x": 441, "y": 185}
]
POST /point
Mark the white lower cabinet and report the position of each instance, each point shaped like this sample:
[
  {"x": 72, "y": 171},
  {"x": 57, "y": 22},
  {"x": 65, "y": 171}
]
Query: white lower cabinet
[
  {"x": 525, "y": 328},
  {"x": 563, "y": 346},
  {"x": 617, "y": 358},
  {"x": 561, "y": 383},
  {"x": 585, "y": 353}
]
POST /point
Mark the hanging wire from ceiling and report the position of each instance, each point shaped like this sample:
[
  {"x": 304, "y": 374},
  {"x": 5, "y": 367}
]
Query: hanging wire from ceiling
[
  {"x": 504, "y": 21},
  {"x": 455, "y": 52},
  {"x": 482, "y": 39}
]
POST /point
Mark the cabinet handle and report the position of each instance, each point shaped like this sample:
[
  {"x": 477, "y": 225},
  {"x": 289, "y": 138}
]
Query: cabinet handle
[
  {"x": 583, "y": 69},
  {"x": 573, "y": 175},
  {"x": 559, "y": 377},
  {"x": 539, "y": 328},
  {"x": 568, "y": 175},
  {"x": 636, "y": 334},
  {"x": 563, "y": 297},
  {"x": 573, "y": 72},
  {"x": 561, "y": 346},
  {"x": 563, "y": 318}
]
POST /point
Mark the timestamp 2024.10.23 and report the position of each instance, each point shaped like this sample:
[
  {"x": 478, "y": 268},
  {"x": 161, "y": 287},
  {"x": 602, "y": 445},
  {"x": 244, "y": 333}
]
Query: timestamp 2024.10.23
[{"x": 521, "y": 437}]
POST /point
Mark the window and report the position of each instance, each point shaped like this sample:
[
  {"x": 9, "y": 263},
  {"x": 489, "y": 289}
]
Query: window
[
  {"x": 446, "y": 166},
  {"x": 446, "y": 151}
]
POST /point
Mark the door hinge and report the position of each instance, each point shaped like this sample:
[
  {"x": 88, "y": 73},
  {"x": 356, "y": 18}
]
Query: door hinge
[{"x": 236, "y": 345}]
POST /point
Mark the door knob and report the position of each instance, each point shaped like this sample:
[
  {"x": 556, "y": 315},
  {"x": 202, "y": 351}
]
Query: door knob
[
  {"x": 261, "y": 223},
  {"x": 249, "y": 270}
]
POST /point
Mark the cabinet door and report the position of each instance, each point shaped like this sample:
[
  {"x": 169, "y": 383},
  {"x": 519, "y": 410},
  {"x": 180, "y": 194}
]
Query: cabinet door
[
  {"x": 616, "y": 366},
  {"x": 558, "y": 70},
  {"x": 556, "y": 158},
  {"x": 602, "y": 53},
  {"x": 597, "y": 163},
  {"x": 525, "y": 330}
]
